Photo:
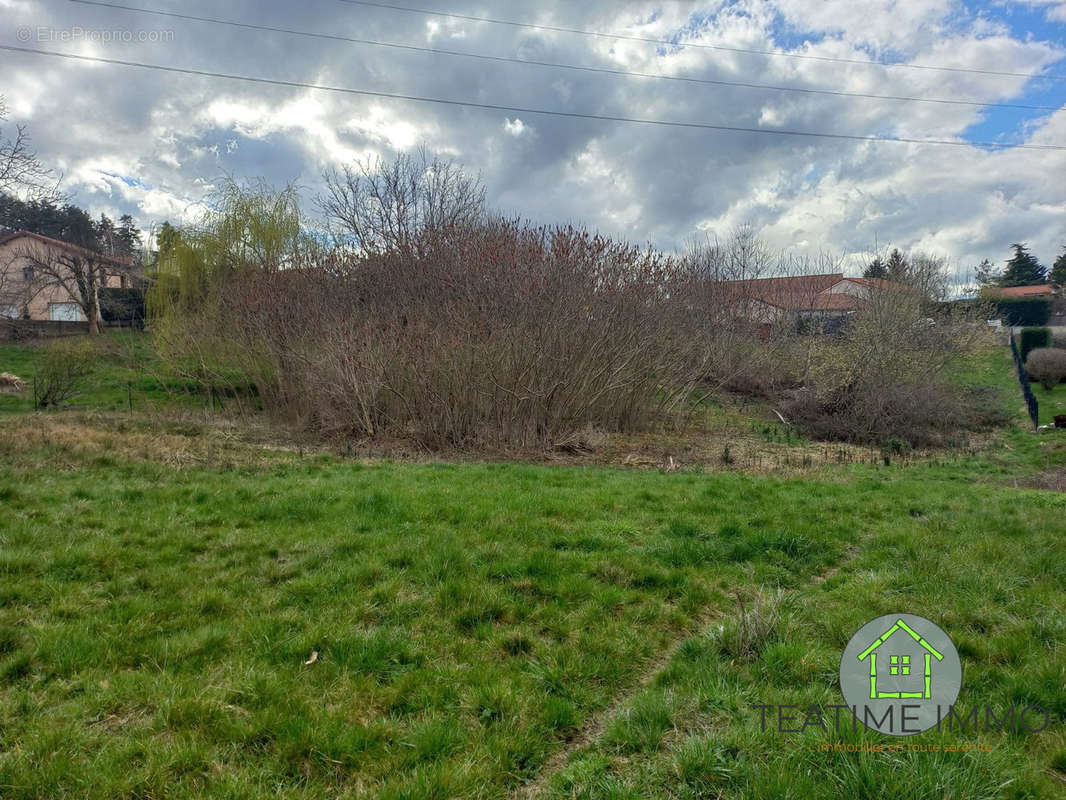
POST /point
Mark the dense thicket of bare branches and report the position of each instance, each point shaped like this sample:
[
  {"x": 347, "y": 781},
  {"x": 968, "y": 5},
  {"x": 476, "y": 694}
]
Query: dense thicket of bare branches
[
  {"x": 460, "y": 330},
  {"x": 497, "y": 334}
]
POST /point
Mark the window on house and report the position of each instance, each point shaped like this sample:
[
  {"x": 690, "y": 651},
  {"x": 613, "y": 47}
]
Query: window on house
[
  {"x": 64, "y": 312},
  {"x": 27, "y": 274},
  {"x": 899, "y": 665}
]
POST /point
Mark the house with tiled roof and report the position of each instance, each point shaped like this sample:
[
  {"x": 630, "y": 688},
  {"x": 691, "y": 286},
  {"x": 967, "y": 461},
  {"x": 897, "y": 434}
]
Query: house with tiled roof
[
  {"x": 829, "y": 297},
  {"x": 1040, "y": 290},
  {"x": 29, "y": 291}
]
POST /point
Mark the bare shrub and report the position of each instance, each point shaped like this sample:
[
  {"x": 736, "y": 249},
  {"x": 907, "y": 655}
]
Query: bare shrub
[
  {"x": 493, "y": 334},
  {"x": 884, "y": 376},
  {"x": 460, "y": 331},
  {"x": 506, "y": 334},
  {"x": 64, "y": 366},
  {"x": 586, "y": 440},
  {"x": 739, "y": 286},
  {"x": 1046, "y": 365}
]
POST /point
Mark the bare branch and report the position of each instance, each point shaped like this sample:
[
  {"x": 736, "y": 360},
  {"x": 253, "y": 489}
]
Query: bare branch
[
  {"x": 384, "y": 206},
  {"x": 21, "y": 171}
]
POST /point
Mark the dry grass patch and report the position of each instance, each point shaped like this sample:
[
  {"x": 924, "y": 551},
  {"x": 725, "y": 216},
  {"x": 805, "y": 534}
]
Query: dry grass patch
[{"x": 178, "y": 440}]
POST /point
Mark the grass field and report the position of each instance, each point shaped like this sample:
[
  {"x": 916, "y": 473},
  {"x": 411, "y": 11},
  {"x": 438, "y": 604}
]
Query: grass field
[
  {"x": 492, "y": 630},
  {"x": 127, "y": 375}
]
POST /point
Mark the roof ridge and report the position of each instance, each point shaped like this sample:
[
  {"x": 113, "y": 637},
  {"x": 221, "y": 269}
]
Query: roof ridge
[{"x": 12, "y": 235}]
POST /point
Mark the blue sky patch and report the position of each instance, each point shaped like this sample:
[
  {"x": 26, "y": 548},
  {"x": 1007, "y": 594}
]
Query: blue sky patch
[{"x": 1008, "y": 125}]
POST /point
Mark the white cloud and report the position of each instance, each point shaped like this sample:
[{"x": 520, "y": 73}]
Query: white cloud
[
  {"x": 177, "y": 134},
  {"x": 1054, "y": 10}
]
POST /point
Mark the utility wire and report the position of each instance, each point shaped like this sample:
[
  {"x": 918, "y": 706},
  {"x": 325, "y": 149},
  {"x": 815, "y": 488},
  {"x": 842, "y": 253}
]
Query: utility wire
[
  {"x": 555, "y": 65},
  {"x": 702, "y": 45},
  {"x": 521, "y": 109}
]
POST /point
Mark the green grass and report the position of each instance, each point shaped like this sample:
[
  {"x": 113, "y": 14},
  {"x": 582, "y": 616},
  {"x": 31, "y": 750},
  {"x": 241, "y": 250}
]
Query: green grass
[
  {"x": 1051, "y": 402},
  {"x": 986, "y": 566},
  {"x": 126, "y": 372},
  {"x": 994, "y": 367},
  {"x": 468, "y": 619},
  {"x": 481, "y": 627}
]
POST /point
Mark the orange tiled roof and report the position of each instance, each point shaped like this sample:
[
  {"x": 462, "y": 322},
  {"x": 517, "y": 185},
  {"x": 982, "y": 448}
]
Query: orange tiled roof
[{"x": 1023, "y": 291}]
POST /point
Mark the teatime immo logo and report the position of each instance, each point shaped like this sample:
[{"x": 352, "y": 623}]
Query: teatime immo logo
[{"x": 901, "y": 673}]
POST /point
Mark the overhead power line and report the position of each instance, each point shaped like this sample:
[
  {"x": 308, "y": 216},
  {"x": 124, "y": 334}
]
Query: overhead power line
[
  {"x": 556, "y": 65},
  {"x": 702, "y": 45},
  {"x": 520, "y": 109}
]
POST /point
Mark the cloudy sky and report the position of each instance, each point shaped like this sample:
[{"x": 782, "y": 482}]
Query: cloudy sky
[{"x": 152, "y": 143}]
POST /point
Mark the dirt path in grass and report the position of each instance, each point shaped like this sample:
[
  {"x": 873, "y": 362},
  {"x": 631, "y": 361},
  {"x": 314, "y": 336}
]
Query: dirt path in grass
[{"x": 597, "y": 724}]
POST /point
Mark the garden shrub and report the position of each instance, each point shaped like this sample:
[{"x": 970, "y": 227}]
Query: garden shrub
[
  {"x": 1024, "y": 310},
  {"x": 1031, "y": 339},
  {"x": 1046, "y": 365}
]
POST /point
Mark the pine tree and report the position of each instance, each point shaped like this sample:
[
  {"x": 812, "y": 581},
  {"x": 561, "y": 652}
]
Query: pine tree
[
  {"x": 897, "y": 266},
  {"x": 1058, "y": 269},
  {"x": 877, "y": 269},
  {"x": 106, "y": 236},
  {"x": 1023, "y": 269},
  {"x": 129, "y": 236}
]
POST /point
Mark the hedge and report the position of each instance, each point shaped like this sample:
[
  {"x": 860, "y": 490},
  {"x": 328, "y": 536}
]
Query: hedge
[
  {"x": 1024, "y": 310},
  {"x": 1032, "y": 339},
  {"x": 125, "y": 306}
]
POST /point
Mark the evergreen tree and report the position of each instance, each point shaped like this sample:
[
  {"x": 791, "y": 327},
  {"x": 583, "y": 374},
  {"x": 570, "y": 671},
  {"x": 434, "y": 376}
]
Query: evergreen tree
[
  {"x": 77, "y": 227},
  {"x": 106, "y": 236},
  {"x": 1058, "y": 269},
  {"x": 877, "y": 269},
  {"x": 897, "y": 266},
  {"x": 1023, "y": 269},
  {"x": 68, "y": 223},
  {"x": 129, "y": 236}
]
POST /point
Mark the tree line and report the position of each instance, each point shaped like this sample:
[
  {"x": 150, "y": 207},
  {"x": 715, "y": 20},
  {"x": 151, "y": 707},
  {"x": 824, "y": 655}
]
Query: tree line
[
  {"x": 57, "y": 219},
  {"x": 1021, "y": 269}
]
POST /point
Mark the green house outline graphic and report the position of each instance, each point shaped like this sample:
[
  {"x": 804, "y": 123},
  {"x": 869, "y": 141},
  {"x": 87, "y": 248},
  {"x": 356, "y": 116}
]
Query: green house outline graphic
[{"x": 898, "y": 668}]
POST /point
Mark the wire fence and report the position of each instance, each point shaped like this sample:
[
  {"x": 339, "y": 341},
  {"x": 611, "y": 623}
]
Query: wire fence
[{"x": 1023, "y": 379}]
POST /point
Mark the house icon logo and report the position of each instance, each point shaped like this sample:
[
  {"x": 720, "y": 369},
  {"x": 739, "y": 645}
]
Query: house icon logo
[{"x": 900, "y": 674}]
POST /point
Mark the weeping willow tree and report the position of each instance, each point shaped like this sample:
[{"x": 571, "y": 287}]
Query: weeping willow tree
[{"x": 207, "y": 271}]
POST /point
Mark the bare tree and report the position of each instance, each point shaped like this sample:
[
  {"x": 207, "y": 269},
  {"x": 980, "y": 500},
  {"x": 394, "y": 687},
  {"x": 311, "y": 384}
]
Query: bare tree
[
  {"x": 384, "y": 206},
  {"x": 71, "y": 271},
  {"x": 12, "y": 295},
  {"x": 928, "y": 275},
  {"x": 924, "y": 273},
  {"x": 21, "y": 171}
]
